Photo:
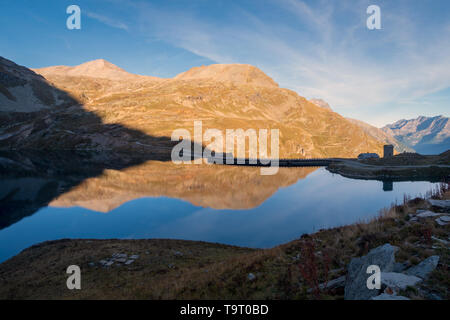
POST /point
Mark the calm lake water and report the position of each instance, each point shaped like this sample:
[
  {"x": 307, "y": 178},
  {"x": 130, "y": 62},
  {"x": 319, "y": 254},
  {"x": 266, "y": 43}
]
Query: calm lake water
[{"x": 224, "y": 204}]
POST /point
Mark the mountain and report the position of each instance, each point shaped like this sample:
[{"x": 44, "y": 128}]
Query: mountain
[
  {"x": 237, "y": 74},
  {"x": 372, "y": 131},
  {"x": 99, "y": 68},
  {"x": 380, "y": 135},
  {"x": 23, "y": 90},
  {"x": 110, "y": 111},
  {"x": 427, "y": 135}
]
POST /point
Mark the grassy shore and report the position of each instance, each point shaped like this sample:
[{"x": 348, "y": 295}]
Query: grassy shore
[
  {"x": 407, "y": 166},
  {"x": 176, "y": 269}
]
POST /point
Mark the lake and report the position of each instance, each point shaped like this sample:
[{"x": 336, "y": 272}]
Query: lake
[{"x": 48, "y": 197}]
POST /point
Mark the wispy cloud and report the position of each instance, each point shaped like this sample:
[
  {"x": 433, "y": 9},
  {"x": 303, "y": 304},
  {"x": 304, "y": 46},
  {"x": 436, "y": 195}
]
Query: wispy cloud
[
  {"x": 107, "y": 20},
  {"x": 322, "y": 49}
]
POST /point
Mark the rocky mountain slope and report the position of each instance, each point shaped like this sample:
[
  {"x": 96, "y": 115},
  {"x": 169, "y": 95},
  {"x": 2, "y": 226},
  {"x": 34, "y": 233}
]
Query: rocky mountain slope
[
  {"x": 372, "y": 131},
  {"x": 380, "y": 135},
  {"x": 427, "y": 135},
  {"x": 107, "y": 112},
  {"x": 99, "y": 68},
  {"x": 22, "y": 90}
]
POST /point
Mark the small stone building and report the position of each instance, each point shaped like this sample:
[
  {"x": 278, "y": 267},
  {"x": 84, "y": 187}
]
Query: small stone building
[{"x": 388, "y": 151}]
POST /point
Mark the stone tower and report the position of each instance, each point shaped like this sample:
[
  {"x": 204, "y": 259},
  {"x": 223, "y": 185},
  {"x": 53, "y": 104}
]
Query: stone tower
[{"x": 388, "y": 151}]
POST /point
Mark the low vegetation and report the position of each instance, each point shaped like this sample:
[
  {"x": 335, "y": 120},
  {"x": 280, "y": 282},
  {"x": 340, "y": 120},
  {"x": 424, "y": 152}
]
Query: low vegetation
[
  {"x": 406, "y": 166},
  {"x": 176, "y": 269}
]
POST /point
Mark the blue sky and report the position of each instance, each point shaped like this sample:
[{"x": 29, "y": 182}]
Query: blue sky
[{"x": 320, "y": 48}]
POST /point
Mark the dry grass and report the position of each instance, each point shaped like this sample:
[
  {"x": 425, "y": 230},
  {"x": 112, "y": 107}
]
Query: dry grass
[{"x": 214, "y": 271}]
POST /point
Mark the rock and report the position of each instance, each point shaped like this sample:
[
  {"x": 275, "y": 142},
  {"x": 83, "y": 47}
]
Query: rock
[
  {"x": 427, "y": 214},
  {"x": 109, "y": 263},
  {"x": 129, "y": 262},
  {"x": 440, "y": 203},
  {"x": 423, "y": 269},
  {"x": 251, "y": 277},
  {"x": 356, "y": 281},
  {"x": 334, "y": 284},
  {"x": 440, "y": 222},
  {"x": 399, "y": 267},
  {"x": 440, "y": 240},
  {"x": 385, "y": 296},
  {"x": 121, "y": 260},
  {"x": 134, "y": 256},
  {"x": 398, "y": 281},
  {"x": 433, "y": 296},
  {"x": 445, "y": 218}
]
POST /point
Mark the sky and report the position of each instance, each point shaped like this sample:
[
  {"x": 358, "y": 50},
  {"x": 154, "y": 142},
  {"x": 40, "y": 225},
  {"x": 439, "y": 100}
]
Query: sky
[{"x": 318, "y": 48}]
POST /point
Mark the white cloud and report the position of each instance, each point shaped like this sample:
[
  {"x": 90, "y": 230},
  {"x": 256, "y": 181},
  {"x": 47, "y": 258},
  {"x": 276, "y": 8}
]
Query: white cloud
[
  {"x": 107, "y": 20},
  {"x": 341, "y": 62}
]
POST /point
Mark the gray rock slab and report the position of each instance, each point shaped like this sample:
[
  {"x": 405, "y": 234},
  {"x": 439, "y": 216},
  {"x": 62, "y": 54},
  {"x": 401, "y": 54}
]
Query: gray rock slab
[
  {"x": 385, "y": 296},
  {"x": 427, "y": 214},
  {"x": 395, "y": 280},
  {"x": 440, "y": 203},
  {"x": 356, "y": 282},
  {"x": 423, "y": 269}
]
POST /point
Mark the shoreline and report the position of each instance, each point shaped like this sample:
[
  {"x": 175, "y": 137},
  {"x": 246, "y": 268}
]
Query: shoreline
[{"x": 182, "y": 269}]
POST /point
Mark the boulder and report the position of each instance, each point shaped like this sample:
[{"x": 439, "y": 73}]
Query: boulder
[
  {"x": 356, "y": 281},
  {"x": 427, "y": 214},
  {"x": 398, "y": 281},
  {"x": 440, "y": 203},
  {"x": 441, "y": 222},
  {"x": 423, "y": 269},
  {"x": 334, "y": 284},
  {"x": 399, "y": 267},
  {"x": 385, "y": 296}
]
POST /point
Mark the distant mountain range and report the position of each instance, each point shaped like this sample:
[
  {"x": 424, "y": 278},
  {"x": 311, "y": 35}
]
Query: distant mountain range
[
  {"x": 380, "y": 135},
  {"x": 427, "y": 135}
]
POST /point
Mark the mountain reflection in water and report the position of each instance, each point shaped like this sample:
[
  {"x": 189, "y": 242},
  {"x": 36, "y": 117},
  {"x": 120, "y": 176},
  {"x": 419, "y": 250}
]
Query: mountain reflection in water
[{"x": 65, "y": 195}]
